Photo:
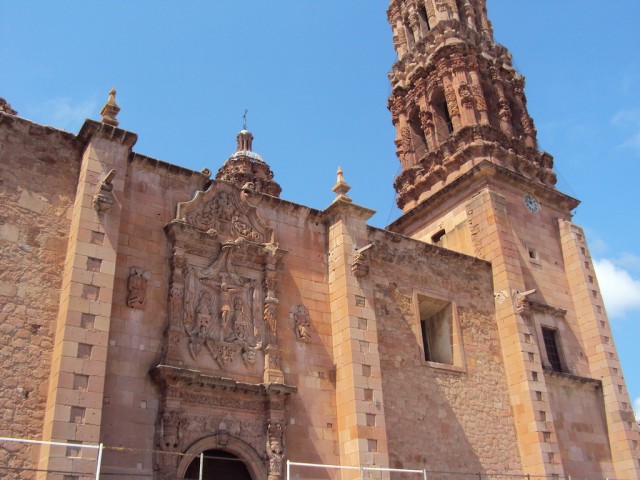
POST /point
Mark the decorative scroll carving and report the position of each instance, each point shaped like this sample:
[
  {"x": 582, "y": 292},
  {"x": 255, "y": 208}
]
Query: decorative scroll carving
[
  {"x": 299, "y": 315},
  {"x": 224, "y": 213},
  {"x": 171, "y": 421},
  {"x": 137, "y": 286}
]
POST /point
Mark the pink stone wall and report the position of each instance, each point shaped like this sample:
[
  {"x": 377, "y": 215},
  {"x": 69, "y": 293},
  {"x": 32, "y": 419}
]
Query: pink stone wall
[
  {"x": 438, "y": 416},
  {"x": 38, "y": 171}
]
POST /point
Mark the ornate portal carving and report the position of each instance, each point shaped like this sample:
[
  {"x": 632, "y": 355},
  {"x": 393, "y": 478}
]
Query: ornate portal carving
[{"x": 223, "y": 291}]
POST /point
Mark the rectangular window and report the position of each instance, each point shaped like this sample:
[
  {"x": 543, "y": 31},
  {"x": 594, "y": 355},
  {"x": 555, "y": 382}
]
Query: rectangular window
[
  {"x": 552, "y": 348},
  {"x": 436, "y": 323}
]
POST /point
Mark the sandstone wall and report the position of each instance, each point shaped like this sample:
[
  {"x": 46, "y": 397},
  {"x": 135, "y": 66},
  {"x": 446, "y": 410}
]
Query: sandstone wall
[
  {"x": 38, "y": 173},
  {"x": 452, "y": 418},
  {"x": 152, "y": 190},
  {"x": 581, "y": 426},
  {"x": 311, "y": 435}
]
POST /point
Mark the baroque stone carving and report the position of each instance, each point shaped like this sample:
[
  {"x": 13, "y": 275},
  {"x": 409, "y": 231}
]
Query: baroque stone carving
[
  {"x": 171, "y": 421},
  {"x": 137, "y": 286},
  {"x": 452, "y": 102},
  {"x": 301, "y": 323},
  {"x": 223, "y": 291},
  {"x": 275, "y": 449},
  {"x": 103, "y": 199}
]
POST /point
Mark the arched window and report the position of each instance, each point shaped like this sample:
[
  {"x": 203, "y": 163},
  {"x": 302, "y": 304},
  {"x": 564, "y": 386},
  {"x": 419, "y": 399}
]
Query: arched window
[
  {"x": 424, "y": 18},
  {"x": 411, "y": 39},
  {"x": 442, "y": 116},
  {"x": 418, "y": 138}
]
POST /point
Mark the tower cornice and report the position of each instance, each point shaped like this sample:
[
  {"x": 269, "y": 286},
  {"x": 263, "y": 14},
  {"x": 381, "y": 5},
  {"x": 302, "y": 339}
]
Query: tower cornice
[{"x": 490, "y": 172}]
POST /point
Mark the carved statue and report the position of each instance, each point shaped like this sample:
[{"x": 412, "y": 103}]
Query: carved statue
[
  {"x": 301, "y": 323},
  {"x": 275, "y": 449},
  {"x": 137, "y": 286},
  {"x": 226, "y": 331}
]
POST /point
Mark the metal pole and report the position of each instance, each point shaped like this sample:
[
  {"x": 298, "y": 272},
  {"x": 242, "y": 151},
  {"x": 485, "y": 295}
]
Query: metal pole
[
  {"x": 424, "y": 474},
  {"x": 288, "y": 469},
  {"x": 99, "y": 462},
  {"x": 201, "y": 465}
]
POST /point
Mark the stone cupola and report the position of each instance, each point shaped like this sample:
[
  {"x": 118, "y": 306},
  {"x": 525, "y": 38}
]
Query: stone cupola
[{"x": 246, "y": 168}]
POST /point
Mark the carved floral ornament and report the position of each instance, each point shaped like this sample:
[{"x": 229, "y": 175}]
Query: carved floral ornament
[{"x": 224, "y": 279}]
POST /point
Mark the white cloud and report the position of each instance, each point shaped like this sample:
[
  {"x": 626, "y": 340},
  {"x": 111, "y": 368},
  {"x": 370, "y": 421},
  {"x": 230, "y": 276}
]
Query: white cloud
[
  {"x": 636, "y": 408},
  {"x": 621, "y": 292},
  {"x": 65, "y": 113},
  {"x": 629, "y": 121}
]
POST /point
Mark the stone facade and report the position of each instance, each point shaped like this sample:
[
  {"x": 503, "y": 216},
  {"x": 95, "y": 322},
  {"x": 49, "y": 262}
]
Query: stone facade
[{"x": 165, "y": 314}]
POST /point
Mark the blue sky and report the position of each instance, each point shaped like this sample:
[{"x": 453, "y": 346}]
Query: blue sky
[{"x": 313, "y": 76}]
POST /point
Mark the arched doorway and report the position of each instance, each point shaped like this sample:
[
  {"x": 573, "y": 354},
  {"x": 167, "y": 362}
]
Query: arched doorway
[{"x": 218, "y": 465}]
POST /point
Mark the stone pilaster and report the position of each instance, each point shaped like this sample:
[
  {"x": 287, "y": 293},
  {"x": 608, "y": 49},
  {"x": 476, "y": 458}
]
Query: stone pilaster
[
  {"x": 597, "y": 341},
  {"x": 78, "y": 366},
  {"x": 493, "y": 240},
  {"x": 359, "y": 401}
]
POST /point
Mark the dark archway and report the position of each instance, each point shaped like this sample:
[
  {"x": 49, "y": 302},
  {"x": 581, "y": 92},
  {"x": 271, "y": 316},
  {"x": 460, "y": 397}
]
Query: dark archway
[{"x": 218, "y": 465}]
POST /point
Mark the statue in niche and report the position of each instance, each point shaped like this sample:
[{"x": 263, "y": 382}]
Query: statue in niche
[
  {"x": 226, "y": 332},
  {"x": 137, "y": 286},
  {"x": 240, "y": 320}
]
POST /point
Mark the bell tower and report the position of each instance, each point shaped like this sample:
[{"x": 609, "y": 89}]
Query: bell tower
[
  {"x": 473, "y": 180},
  {"x": 456, "y": 97}
]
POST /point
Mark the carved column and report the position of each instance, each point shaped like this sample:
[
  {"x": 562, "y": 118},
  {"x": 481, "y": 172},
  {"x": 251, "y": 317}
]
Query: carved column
[
  {"x": 525, "y": 120},
  {"x": 504, "y": 110},
  {"x": 479, "y": 99}
]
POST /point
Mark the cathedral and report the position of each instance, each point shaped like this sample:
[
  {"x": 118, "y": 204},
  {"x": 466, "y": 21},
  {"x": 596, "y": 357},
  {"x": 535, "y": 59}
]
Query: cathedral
[{"x": 163, "y": 323}]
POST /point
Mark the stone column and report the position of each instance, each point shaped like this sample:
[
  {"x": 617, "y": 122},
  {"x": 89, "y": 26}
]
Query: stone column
[
  {"x": 597, "y": 341},
  {"x": 359, "y": 401},
  {"x": 76, "y": 384}
]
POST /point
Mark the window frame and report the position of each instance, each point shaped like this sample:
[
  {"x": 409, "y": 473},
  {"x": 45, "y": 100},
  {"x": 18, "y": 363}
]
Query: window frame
[{"x": 457, "y": 343}]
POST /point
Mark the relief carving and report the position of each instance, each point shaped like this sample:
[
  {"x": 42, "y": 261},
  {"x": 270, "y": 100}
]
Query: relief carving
[
  {"x": 275, "y": 449},
  {"x": 301, "y": 323},
  {"x": 171, "y": 422},
  {"x": 466, "y": 96},
  {"x": 406, "y": 143},
  {"x": 478, "y": 97},
  {"x": 137, "y": 286},
  {"x": 228, "y": 308},
  {"x": 452, "y": 102}
]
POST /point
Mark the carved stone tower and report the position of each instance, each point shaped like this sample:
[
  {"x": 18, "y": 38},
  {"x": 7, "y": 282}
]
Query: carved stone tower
[{"x": 474, "y": 181}]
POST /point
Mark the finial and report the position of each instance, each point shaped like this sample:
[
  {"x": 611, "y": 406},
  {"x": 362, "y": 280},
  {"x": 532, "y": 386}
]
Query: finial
[
  {"x": 244, "y": 119},
  {"x": 110, "y": 110},
  {"x": 341, "y": 187}
]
